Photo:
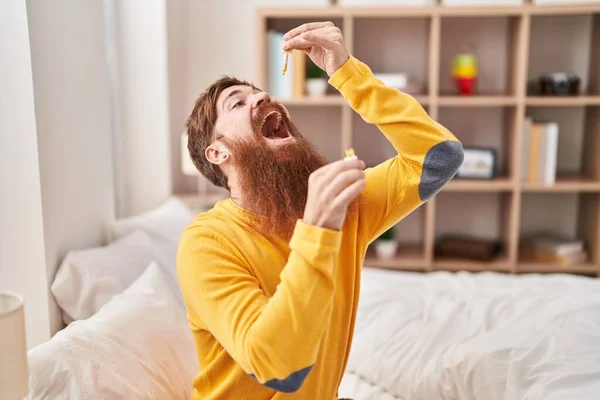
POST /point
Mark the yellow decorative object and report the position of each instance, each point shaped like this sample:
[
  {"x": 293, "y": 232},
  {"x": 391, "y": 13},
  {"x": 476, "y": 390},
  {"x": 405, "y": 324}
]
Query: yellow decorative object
[
  {"x": 464, "y": 71},
  {"x": 349, "y": 155}
]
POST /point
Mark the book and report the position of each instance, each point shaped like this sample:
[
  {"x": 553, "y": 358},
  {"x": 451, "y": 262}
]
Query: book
[
  {"x": 532, "y": 254},
  {"x": 525, "y": 151},
  {"x": 550, "y": 153},
  {"x": 539, "y": 156},
  {"x": 299, "y": 77},
  {"x": 555, "y": 244},
  {"x": 534, "y": 153}
]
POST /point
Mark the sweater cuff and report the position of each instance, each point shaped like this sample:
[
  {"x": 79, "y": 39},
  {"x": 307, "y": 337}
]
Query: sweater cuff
[
  {"x": 350, "y": 68},
  {"x": 321, "y": 240}
]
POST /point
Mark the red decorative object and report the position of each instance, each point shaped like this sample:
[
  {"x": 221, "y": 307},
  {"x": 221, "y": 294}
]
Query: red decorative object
[{"x": 466, "y": 85}]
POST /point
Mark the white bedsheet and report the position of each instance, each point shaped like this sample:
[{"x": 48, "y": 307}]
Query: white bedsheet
[{"x": 475, "y": 336}]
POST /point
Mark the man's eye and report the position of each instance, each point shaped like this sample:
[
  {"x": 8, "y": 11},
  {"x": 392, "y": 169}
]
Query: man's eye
[{"x": 238, "y": 104}]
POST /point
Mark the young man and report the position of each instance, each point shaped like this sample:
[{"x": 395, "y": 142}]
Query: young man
[{"x": 271, "y": 276}]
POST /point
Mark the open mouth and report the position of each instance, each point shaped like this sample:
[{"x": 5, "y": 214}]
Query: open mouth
[{"x": 273, "y": 127}]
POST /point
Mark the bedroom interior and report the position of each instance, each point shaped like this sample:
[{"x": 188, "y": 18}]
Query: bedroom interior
[{"x": 462, "y": 299}]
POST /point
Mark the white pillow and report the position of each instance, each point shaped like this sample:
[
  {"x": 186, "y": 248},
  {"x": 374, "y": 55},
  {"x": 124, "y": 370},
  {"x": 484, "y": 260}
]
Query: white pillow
[
  {"x": 138, "y": 346},
  {"x": 164, "y": 222},
  {"x": 88, "y": 279}
]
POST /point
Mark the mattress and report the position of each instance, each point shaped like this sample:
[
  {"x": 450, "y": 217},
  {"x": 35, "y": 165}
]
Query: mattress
[{"x": 475, "y": 336}]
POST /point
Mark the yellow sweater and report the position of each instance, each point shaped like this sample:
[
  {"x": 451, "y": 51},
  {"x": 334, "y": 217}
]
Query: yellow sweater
[{"x": 274, "y": 320}]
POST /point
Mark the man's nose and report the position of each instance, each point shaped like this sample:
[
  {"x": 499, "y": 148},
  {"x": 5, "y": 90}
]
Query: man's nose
[{"x": 260, "y": 98}]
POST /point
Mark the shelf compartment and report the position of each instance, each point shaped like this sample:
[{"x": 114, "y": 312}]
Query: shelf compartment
[
  {"x": 484, "y": 127},
  {"x": 492, "y": 39},
  {"x": 395, "y": 45},
  {"x": 410, "y": 235},
  {"x": 571, "y": 215},
  {"x": 409, "y": 11},
  {"x": 487, "y": 216},
  {"x": 578, "y": 164},
  {"x": 322, "y": 126},
  {"x": 564, "y": 43}
]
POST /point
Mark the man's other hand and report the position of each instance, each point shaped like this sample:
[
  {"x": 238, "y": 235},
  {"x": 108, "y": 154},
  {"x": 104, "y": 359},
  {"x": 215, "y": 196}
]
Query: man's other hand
[
  {"x": 322, "y": 42},
  {"x": 331, "y": 189}
]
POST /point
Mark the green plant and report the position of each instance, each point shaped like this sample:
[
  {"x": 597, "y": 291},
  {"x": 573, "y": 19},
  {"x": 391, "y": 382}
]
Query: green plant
[
  {"x": 387, "y": 235},
  {"x": 312, "y": 71}
]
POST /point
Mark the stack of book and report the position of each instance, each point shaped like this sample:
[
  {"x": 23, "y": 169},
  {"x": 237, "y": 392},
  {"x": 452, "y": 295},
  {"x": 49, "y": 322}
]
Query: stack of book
[
  {"x": 553, "y": 248},
  {"x": 540, "y": 150}
]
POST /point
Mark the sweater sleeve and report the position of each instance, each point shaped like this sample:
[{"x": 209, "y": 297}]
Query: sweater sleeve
[
  {"x": 428, "y": 154},
  {"x": 275, "y": 340}
]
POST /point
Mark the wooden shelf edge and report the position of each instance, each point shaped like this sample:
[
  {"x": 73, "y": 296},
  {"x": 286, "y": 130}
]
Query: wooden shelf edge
[
  {"x": 426, "y": 11},
  {"x": 562, "y": 101},
  {"x": 562, "y": 9},
  {"x": 527, "y": 267},
  {"x": 399, "y": 262},
  {"x": 408, "y": 257},
  {"x": 499, "y": 266},
  {"x": 492, "y": 185},
  {"x": 476, "y": 101},
  {"x": 456, "y": 265},
  {"x": 564, "y": 185},
  {"x": 408, "y": 267}
]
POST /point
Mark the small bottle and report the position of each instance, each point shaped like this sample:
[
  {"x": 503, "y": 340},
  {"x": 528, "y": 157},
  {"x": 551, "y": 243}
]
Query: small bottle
[
  {"x": 349, "y": 155},
  {"x": 285, "y": 62}
]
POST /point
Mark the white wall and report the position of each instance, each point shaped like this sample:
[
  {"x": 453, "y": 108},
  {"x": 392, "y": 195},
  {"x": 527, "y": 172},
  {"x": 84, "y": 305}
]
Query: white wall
[
  {"x": 140, "y": 35},
  {"x": 222, "y": 39},
  {"x": 70, "y": 79},
  {"x": 178, "y": 40},
  {"x": 22, "y": 258}
]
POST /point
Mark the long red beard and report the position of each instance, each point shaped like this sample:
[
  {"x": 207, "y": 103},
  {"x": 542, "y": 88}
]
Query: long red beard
[{"x": 274, "y": 181}]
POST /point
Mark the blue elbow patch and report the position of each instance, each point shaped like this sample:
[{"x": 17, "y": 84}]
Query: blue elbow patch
[
  {"x": 290, "y": 384},
  {"x": 441, "y": 164}
]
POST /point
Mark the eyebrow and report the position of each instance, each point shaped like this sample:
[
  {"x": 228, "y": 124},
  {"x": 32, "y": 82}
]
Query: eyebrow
[
  {"x": 230, "y": 95},
  {"x": 236, "y": 92}
]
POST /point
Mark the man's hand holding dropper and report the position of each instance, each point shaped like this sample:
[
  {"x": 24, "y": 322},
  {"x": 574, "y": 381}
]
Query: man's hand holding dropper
[{"x": 333, "y": 187}]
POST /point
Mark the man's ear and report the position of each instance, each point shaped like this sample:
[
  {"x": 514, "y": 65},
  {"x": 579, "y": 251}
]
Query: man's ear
[{"x": 216, "y": 153}]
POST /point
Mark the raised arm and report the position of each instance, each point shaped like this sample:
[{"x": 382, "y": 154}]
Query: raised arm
[{"x": 428, "y": 154}]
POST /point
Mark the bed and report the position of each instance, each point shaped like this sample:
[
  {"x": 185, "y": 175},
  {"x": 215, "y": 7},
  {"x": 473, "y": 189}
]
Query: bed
[
  {"x": 475, "y": 336},
  {"x": 428, "y": 336}
]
